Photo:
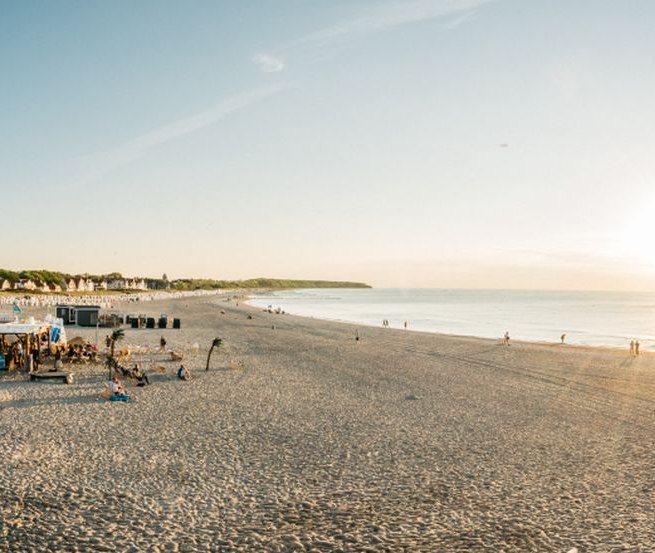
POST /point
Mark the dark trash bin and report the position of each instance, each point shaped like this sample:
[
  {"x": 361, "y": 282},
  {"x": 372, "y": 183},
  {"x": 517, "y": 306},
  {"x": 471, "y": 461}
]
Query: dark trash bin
[
  {"x": 134, "y": 323},
  {"x": 177, "y": 323},
  {"x": 163, "y": 322},
  {"x": 128, "y": 319},
  {"x": 150, "y": 322}
]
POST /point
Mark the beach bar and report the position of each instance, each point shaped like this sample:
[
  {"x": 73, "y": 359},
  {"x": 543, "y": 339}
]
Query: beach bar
[{"x": 28, "y": 334}]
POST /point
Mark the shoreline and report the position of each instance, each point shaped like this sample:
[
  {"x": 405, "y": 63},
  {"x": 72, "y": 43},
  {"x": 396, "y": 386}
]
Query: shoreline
[{"x": 607, "y": 347}]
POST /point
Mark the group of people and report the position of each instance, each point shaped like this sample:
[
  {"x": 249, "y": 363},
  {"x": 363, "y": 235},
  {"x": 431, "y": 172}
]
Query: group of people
[
  {"x": 78, "y": 352},
  {"x": 116, "y": 387},
  {"x": 17, "y": 354},
  {"x": 634, "y": 344},
  {"x": 385, "y": 324},
  {"x": 135, "y": 373},
  {"x": 19, "y": 357}
]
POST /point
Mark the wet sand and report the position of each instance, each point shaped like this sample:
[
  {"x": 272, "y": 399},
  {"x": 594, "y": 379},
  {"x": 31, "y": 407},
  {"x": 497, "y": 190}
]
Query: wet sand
[{"x": 299, "y": 438}]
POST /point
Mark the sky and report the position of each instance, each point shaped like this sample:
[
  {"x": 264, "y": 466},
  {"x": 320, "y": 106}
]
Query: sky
[{"x": 415, "y": 143}]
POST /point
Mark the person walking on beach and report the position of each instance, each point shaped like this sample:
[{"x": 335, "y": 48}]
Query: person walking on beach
[
  {"x": 632, "y": 347},
  {"x": 357, "y": 335},
  {"x": 636, "y": 347},
  {"x": 506, "y": 338},
  {"x": 405, "y": 325},
  {"x": 563, "y": 337},
  {"x": 162, "y": 344}
]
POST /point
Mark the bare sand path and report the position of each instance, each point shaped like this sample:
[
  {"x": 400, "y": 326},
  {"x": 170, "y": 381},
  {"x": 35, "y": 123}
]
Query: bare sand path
[{"x": 301, "y": 439}]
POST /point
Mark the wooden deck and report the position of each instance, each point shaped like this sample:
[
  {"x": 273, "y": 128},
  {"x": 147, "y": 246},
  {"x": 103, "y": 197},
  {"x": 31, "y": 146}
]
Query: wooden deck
[{"x": 65, "y": 376}]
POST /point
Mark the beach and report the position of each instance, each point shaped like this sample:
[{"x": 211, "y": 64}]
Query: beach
[{"x": 301, "y": 438}]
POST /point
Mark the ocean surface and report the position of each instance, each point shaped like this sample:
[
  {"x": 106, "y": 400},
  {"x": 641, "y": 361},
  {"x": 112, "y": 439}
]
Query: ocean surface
[{"x": 587, "y": 318}]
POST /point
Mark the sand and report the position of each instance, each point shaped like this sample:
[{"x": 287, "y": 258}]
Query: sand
[{"x": 299, "y": 438}]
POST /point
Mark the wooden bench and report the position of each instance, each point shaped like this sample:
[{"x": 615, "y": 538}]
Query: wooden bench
[{"x": 65, "y": 376}]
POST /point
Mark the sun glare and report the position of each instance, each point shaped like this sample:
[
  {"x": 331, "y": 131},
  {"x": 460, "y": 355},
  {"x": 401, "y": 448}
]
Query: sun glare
[{"x": 637, "y": 241}]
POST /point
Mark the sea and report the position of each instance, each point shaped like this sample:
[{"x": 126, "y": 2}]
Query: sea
[{"x": 610, "y": 319}]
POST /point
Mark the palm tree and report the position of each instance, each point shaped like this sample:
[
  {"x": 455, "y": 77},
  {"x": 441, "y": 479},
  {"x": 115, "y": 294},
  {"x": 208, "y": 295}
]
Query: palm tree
[
  {"x": 215, "y": 344},
  {"x": 116, "y": 335}
]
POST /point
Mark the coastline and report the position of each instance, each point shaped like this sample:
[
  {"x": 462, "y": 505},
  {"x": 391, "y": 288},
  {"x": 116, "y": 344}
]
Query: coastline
[
  {"x": 301, "y": 438},
  {"x": 248, "y": 296}
]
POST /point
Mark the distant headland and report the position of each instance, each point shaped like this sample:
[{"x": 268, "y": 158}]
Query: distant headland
[{"x": 57, "y": 282}]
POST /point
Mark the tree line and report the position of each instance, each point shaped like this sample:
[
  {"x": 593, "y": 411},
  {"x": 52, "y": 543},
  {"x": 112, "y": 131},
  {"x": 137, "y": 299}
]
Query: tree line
[{"x": 55, "y": 277}]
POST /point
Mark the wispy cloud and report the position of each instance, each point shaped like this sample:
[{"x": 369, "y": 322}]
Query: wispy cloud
[
  {"x": 377, "y": 20},
  {"x": 459, "y": 20},
  {"x": 221, "y": 109},
  {"x": 268, "y": 63},
  {"x": 391, "y": 16},
  {"x": 98, "y": 165}
]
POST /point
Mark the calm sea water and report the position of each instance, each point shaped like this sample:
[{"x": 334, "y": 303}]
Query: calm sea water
[{"x": 589, "y": 318}]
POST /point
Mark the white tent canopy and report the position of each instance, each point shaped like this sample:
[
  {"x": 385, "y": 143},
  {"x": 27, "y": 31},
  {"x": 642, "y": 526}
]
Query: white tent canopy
[{"x": 23, "y": 328}]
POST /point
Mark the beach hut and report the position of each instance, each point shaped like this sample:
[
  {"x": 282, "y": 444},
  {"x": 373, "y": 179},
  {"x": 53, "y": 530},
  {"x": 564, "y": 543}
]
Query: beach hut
[{"x": 87, "y": 315}]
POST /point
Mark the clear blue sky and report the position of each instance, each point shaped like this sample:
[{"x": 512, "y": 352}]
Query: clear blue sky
[{"x": 439, "y": 143}]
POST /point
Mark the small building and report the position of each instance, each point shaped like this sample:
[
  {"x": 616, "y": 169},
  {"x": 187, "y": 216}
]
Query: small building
[
  {"x": 71, "y": 285},
  {"x": 26, "y": 284},
  {"x": 116, "y": 284},
  {"x": 42, "y": 286},
  {"x": 82, "y": 285},
  {"x": 87, "y": 315},
  {"x": 100, "y": 284},
  {"x": 54, "y": 287},
  {"x": 67, "y": 313},
  {"x": 5, "y": 284}
]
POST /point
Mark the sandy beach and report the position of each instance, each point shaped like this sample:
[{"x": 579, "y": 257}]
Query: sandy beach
[{"x": 300, "y": 438}]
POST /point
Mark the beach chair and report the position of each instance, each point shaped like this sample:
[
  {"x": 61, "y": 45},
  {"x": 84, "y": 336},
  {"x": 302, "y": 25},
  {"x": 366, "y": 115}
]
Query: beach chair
[{"x": 119, "y": 398}]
